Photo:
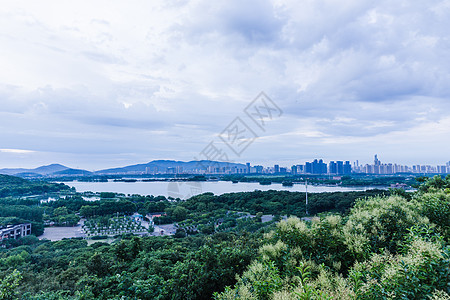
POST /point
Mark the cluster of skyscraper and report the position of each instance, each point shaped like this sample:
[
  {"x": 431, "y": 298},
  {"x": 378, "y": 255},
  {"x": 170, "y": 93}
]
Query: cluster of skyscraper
[
  {"x": 318, "y": 166},
  {"x": 388, "y": 168}
]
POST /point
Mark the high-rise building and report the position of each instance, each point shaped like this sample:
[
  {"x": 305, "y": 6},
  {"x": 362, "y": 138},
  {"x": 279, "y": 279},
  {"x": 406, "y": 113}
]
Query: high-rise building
[
  {"x": 388, "y": 168},
  {"x": 340, "y": 167},
  {"x": 332, "y": 167},
  {"x": 376, "y": 161},
  {"x": 315, "y": 167},
  {"x": 319, "y": 167},
  {"x": 248, "y": 167},
  {"x": 347, "y": 168},
  {"x": 259, "y": 169},
  {"x": 442, "y": 169},
  {"x": 294, "y": 170},
  {"x": 368, "y": 169},
  {"x": 308, "y": 168},
  {"x": 276, "y": 169}
]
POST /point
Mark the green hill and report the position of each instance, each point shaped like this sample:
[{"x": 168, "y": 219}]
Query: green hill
[
  {"x": 15, "y": 186},
  {"x": 11, "y": 180}
]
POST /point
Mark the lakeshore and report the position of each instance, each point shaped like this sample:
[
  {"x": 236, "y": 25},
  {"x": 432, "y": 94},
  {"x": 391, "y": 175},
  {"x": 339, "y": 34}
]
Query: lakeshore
[{"x": 186, "y": 189}]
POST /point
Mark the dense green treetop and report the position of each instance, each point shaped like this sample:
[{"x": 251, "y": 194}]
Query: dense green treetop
[{"x": 358, "y": 245}]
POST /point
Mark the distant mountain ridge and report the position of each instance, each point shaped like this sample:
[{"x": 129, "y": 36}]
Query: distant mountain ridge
[
  {"x": 43, "y": 170},
  {"x": 155, "y": 165},
  {"x": 163, "y": 165}
]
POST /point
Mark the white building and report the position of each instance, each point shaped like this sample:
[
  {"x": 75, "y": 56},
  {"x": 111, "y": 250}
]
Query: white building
[{"x": 15, "y": 231}]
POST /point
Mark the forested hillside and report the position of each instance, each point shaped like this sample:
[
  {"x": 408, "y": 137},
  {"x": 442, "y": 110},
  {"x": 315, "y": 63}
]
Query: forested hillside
[
  {"x": 16, "y": 208},
  {"x": 385, "y": 248},
  {"x": 15, "y": 186},
  {"x": 373, "y": 245}
]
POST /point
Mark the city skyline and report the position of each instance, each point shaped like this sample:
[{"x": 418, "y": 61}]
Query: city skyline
[{"x": 313, "y": 167}]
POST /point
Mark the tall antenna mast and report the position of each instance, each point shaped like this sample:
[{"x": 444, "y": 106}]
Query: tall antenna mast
[{"x": 306, "y": 188}]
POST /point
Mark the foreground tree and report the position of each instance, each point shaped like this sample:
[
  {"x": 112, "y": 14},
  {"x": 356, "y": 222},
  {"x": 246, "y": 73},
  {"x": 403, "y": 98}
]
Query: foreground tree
[
  {"x": 9, "y": 284},
  {"x": 386, "y": 248}
]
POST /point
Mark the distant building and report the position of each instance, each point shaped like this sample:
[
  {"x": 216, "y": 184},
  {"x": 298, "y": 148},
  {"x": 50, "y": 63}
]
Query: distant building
[
  {"x": 137, "y": 217},
  {"x": 398, "y": 186},
  {"x": 308, "y": 168},
  {"x": 15, "y": 231},
  {"x": 318, "y": 167},
  {"x": 347, "y": 168},
  {"x": 294, "y": 170},
  {"x": 376, "y": 161},
  {"x": 276, "y": 169},
  {"x": 332, "y": 167},
  {"x": 171, "y": 170},
  {"x": 442, "y": 169},
  {"x": 259, "y": 169},
  {"x": 340, "y": 167}
]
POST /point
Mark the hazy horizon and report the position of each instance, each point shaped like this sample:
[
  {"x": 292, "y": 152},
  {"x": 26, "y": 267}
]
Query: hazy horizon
[
  {"x": 281, "y": 164},
  {"x": 109, "y": 84}
]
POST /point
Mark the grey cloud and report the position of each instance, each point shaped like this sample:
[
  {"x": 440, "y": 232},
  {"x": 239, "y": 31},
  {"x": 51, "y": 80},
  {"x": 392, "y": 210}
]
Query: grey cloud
[
  {"x": 135, "y": 86},
  {"x": 253, "y": 21}
]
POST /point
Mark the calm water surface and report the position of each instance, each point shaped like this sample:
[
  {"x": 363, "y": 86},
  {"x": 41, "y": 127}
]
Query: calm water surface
[{"x": 184, "y": 190}]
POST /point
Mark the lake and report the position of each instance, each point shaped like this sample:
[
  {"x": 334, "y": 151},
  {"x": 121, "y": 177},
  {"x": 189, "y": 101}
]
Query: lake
[{"x": 186, "y": 189}]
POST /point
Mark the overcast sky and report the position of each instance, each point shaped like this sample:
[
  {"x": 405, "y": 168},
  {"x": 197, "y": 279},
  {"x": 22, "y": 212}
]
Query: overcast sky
[{"x": 98, "y": 84}]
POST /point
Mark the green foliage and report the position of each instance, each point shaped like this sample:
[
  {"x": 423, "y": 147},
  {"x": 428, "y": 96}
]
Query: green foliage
[
  {"x": 384, "y": 221},
  {"x": 73, "y": 203},
  {"x": 322, "y": 241},
  {"x": 22, "y": 211},
  {"x": 277, "y": 202},
  {"x": 386, "y": 248},
  {"x": 433, "y": 184},
  {"x": 106, "y": 207},
  {"x": 436, "y": 207},
  {"x": 381, "y": 247},
  {"x": 62, "y": 217},
  {"x": 107, "y": 195},
  {"x": 415, "y": 275},
  {"x": 14, "y": 186},
  {"x": 9, "y": 284},
  {"x": 180, "y": 213},
  {"x": 133, "y": 268}
]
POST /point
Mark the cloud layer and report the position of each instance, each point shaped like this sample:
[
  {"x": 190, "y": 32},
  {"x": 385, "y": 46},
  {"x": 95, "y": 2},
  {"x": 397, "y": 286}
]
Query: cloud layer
[{"x": 111, "y": 83}]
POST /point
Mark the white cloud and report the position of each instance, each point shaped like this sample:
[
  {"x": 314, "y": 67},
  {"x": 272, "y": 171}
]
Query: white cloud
[{"x": 17, "y": 151}]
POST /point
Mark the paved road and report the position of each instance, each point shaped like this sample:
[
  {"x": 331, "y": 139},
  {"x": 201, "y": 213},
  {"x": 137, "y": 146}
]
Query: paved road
[{"x": 58, "y": 233}]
